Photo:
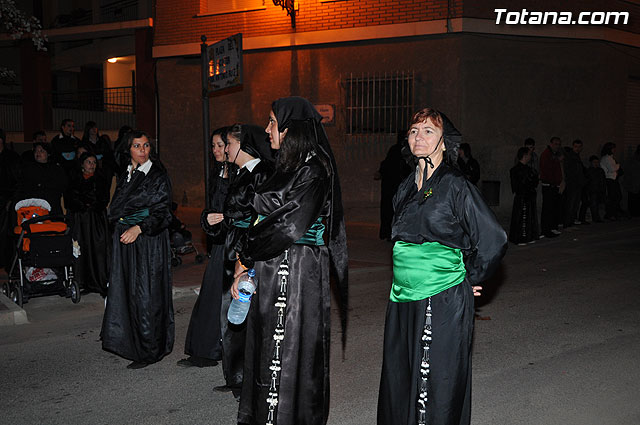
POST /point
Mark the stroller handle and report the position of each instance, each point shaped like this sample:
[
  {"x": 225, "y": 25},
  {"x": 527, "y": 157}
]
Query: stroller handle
[{"x": 54, "y": 217}]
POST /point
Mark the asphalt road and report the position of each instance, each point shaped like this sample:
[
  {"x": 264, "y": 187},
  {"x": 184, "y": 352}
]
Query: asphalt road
[{"x": 556, "y": 342}]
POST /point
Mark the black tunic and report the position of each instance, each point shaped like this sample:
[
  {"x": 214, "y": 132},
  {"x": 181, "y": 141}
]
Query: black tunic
[
  {"x": 524, "y": 223},
  {"x": 237, "y": 208},
  {"x": 86, "y": 202},
  {"x": 46, "y": 181},
  {"x": 203, "y": 334},
  {"x": 138, "y": 322},
  {"x": 291, "y": 202},
  {"x": 455, "y": 215}
]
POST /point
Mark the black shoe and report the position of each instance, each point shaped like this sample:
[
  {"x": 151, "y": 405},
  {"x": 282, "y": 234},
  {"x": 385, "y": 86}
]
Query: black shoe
[
  {"x": 193, "y": 361},
  {"x": 223, "y": 388},
  {"x": 137, "y": 365}
]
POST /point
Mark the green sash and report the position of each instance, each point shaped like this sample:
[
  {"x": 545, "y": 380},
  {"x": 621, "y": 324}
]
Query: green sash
[
  {"x": 135, "y": 218},
  {"x": 423, "y": 270},
  {"x": 313, "y": 236}
]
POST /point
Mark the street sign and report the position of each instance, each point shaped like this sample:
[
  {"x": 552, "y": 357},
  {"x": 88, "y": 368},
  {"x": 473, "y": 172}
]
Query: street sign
[{"x": 224, "y": 63}]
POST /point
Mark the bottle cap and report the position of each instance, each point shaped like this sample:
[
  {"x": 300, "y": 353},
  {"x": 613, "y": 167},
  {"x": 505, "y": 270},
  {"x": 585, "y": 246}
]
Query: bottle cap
[{"x": 251, "y": 272}]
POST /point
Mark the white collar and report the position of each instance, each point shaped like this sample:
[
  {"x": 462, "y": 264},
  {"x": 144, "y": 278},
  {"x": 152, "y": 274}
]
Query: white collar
[
  {"x": 144, "y": 168},
  {"x": 250, "y": 165}
]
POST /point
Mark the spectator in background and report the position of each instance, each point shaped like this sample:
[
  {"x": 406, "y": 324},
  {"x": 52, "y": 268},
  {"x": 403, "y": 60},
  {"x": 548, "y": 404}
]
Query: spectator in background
[
  {"x": 575, "y": 180},
  {"x": 524, "y": 181},
  {"x": 86, "y": 201},
  {"x": 9, "y": 177},
  {"x": 632, "y": 183},
  {"x": 42, "y": 179},
  {"x": 64, "y": 146},
  {"x": 120, "y": 151},
  {"x": 393, "y": 169},
  {"x": 38, "y": 137},
  {"x": 552, "y": 187},
  {"x": 611, "y": 172},
  {"x": 534, "y": 162},
  {"x": 467, "y": 164},
  {"x": 596, "y": 188},
  {"x": 101, "y": 146}
]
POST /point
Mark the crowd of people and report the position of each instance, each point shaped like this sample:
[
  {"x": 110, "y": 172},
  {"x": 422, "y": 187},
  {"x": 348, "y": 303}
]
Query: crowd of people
[
  {"x": 275, "y": 206},
  {"x": 570, "y": 189}
]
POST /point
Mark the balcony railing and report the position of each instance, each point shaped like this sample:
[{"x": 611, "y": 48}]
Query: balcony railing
[{"x": 110, "y": 108}]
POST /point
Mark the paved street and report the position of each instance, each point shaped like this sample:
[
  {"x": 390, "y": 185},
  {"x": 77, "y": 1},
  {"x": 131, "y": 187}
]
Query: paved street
[{"x": 556, "y": 342}]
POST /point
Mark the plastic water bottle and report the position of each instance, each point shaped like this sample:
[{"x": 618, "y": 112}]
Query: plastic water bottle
[{"x": 240, "y": 307}]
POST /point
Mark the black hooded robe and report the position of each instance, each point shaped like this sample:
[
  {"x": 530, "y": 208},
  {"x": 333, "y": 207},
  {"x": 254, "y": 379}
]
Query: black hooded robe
[
  {"x": 203, "y": 335},
  {"x": 86, "y": 201},
  {"x": 455, "y": 215},
  {"x": 524, "y": 223},
  {"x": 138, "y": 321},
  {"x": 291, "y": 204}
]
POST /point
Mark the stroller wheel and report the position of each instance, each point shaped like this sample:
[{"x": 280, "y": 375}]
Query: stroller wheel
[
  {"x": 176, "y": 261},
  {"x": 74, "y": 291},
  {"x": 199, "y": 258},
  {"x": 15, "y": 293},
  {"x": 5, "y": 289}
]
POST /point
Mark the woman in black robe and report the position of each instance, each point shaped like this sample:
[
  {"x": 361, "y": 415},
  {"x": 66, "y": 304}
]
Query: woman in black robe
[
  {"x": 86, "y": 201},
  {"x": 524, "y": 180},
  {"x": 202, "y": 344},
  {"x": 249, "y": 151},
  {"x": 286, "y": 369},
  {"x": 138, "y": 321},
  {"x": 447, "y": 241}
]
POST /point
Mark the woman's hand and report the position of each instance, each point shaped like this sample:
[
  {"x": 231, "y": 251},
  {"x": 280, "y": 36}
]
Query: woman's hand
[
  {"x": 234, "y": 287},
  {"x": 130, "y": 235},
  {"x": 476, "y": 290},
  {"x": 214, "y": 218}
]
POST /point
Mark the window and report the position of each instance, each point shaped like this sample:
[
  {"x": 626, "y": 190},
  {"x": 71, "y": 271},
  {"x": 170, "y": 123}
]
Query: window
[
  {"x": 379, "y": 103},
  {"x": 229, "y": 6}
]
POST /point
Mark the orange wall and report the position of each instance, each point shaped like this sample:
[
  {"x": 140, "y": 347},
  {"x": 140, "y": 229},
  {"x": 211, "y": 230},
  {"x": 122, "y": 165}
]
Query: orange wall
[{"x": 176, "y": 21}]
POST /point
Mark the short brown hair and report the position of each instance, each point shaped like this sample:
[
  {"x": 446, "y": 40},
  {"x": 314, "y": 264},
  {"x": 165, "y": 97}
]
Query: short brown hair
[{"x": 427, "y": 113}]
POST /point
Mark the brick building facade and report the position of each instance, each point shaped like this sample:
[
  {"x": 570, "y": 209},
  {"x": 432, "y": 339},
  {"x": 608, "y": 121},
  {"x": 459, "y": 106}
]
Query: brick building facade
[{"x": 375, "y": 62}]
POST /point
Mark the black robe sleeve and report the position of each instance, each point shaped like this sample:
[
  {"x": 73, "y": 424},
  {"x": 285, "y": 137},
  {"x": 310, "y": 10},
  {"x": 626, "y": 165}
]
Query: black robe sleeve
[
  {"x": 303, "y": 202},
  {"x": 487, "y": 238},
  {"x": 159, "y": 204}
]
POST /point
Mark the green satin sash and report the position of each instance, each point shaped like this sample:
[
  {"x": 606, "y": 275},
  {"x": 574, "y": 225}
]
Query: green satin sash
[
  {"x": 135, "y": 218},
  {"x": 313, "y": 236},
  {"x": 423, "y": 270}
]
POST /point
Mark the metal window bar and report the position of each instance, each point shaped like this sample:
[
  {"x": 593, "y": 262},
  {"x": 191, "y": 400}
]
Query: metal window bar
[
  {"x": 379, "y": 104},
  {"x": 378, "y": 107}
]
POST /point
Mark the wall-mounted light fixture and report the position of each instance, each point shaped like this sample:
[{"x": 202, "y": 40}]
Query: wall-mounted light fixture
[
  {"x": 112, "y": 60},
  {"x": 291, "y": 6}
]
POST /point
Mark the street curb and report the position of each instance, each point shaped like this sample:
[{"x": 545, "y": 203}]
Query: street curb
[{"x": 10, "y": 313}]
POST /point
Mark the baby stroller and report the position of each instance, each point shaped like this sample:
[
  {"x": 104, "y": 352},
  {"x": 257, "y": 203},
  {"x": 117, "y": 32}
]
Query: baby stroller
[
  {"x": 43, "y": 263},
  {"x": 181, "y": 240}
]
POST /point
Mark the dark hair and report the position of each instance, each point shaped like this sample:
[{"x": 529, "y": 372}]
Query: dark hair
[
  {"x": 554, "y": 138},
  {"x": 466, "y": 149},
  {"x": 522, "y": 152},
  {"x": 39, "y": 133},
  {"x": 64, "y": 122},
  {"x": 88, "y": 126},
  {"x": 86, "y": 155},
  {"x": 235, "y": 131},
  {"x": 529, "y": 142},
  {"x": 298, "y": 143},
  {"x": 44, "y": 145},
  {"x": 137, "y": 134},
  {"x": 577, "y": 142},
  {"x": 607, "y": 149},
  {"x": 592, "y": 157},
  {"x": 123, "y": 131}
]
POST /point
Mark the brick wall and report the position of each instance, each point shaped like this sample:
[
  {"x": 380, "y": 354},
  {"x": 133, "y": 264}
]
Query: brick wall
[{"x": 177, "y": 22}]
